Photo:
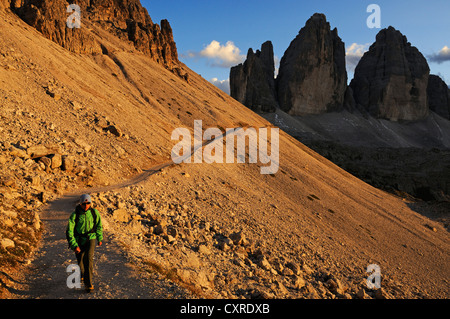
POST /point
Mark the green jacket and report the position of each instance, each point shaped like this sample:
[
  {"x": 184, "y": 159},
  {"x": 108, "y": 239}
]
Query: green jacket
[{"x": 81, "y": 229}]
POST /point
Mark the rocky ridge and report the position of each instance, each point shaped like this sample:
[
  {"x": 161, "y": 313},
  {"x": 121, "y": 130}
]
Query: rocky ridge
[
  {"x": 391, "y": 80},
  {"x": 126, "y": 19}
]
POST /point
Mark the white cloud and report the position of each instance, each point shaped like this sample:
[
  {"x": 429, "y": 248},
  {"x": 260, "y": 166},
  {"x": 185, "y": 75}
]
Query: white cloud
[
  {"x": 225, "y": 56},
  {"x": 222, "y": 55},
  {"x": 224, "y": 85},
  {"x": 353, "y": 54},
  {"x": 440, "y": 57}
]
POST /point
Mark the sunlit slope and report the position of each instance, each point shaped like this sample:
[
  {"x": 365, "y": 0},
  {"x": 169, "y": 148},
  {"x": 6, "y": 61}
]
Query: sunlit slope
[{"x": 310, "y": 209}]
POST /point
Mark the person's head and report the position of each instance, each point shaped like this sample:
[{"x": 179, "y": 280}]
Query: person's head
[{"x": 85, "y": 202}]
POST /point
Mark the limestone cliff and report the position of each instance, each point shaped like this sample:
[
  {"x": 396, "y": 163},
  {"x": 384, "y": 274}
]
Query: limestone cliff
[
  {"x": 252, "y": 83},
  {"x": 391, "y": 79},
  {"x": 127, "y": 19},
  {"x": 438, "y": 96},
  {"x": 312, "y": 77}
]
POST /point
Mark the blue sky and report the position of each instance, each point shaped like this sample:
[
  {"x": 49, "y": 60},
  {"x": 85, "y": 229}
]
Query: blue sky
[{"x": 213, "y": 35}]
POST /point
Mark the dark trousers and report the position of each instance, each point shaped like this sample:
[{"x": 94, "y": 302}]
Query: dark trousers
[{"x": 86, "y": 262}]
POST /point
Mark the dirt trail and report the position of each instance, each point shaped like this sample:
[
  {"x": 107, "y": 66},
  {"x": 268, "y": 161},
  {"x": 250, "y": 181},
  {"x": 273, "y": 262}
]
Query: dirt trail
[{"x": 114, "y": 277}]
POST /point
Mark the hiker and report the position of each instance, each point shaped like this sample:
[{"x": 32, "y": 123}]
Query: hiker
[{"x": 83, "y": 229}]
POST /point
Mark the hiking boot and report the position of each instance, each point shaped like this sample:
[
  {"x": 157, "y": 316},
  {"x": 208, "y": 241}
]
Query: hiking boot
[{"x": 90, "y": 288}]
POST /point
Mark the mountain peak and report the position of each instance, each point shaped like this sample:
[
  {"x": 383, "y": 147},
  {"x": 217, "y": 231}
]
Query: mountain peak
[
  {"x": 391, "y": 78},
  {"x": 312, "y": 77}
]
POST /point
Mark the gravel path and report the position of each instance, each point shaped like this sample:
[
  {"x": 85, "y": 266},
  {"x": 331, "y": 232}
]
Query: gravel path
[{"x": 115, "y": 277}]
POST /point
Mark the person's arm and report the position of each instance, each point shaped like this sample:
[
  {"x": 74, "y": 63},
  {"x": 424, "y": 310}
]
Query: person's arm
[
  {"x": 70, "y": 232},
  {"x": 99, "y": 230}
]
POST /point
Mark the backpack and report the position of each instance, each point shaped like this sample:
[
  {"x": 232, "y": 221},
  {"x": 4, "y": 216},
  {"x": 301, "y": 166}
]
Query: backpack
[{"x": 78, "y": 212}]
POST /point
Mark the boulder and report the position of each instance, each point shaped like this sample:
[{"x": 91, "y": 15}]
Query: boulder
[
  {"x": 361, "y": 294},
  {"x": 265, "y": 264},
  {"x": 36, "y": 221},
  {"x": 46, "y": 161},
  {"x": 68, "y": 163},
  {"x": 56, "y": 161},
  {"x": 9, "y": 214},
  {"x": 294, "y": 267},
  {"x": 299, "y": 282},
  {"x": 7, "y": 243},
  {"x": 203, "y": 249},
  {"x": 312, "y": 77},
  {"x": 113, "y": 130},
  {"x": 18, "y": 152},
  {"x": 199, "y": 278},
  {"x": 380, "y": 294},
  {"x": 83, "y": 145},
  {"x": 135, "y": 227},
  {"x": 121, "y": 215},
  {"x": 391, "y": 79},
  {"x": 8, "y": 181},
  {"x": 37, "y": 151},
  {"x": 239, "y": 238},
  {"x": 252, "y": 83},
  {"x": 335, "y": 286}
]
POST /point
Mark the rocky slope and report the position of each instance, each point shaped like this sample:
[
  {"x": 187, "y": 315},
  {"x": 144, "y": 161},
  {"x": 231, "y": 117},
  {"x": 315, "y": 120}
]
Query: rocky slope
[
  {"x": 310, "y": 230},
  {"x": 397, "y": 157},
  {"x": 253, "y": 83}
]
